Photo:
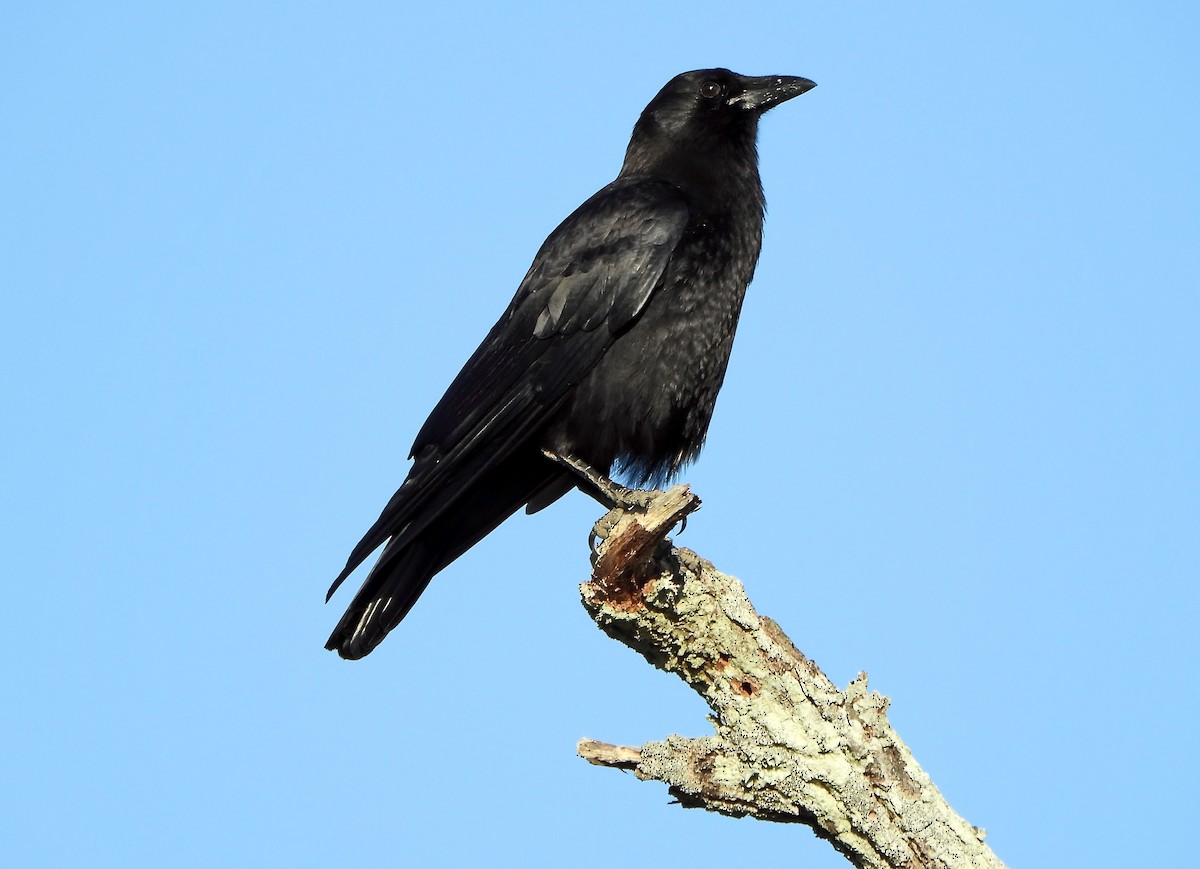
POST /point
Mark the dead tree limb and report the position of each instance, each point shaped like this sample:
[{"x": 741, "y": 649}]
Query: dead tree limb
[{"x": 789, "y": 744}]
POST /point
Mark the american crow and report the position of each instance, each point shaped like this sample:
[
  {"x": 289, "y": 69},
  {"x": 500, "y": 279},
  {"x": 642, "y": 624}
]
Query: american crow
[{"x": 611, "y": 352}]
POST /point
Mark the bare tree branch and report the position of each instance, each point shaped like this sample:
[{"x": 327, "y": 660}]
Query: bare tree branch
[{"x": 789, "y": 745}]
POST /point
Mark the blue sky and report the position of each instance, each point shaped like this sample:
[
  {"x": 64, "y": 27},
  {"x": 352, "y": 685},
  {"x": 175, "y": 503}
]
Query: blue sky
[{"x": 244, "y": 248}]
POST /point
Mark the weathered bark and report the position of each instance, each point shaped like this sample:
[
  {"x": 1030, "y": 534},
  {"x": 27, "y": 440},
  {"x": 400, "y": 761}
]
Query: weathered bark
[{"x": 789, "y": 745}]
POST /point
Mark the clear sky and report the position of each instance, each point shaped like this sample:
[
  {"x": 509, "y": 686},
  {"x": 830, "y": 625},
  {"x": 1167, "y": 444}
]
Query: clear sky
[{"x": 244, "y": 248}]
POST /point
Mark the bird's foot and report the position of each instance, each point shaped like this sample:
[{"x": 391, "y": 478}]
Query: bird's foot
[
  {"x": 604, "y": 526},
  {"x": 661, "y": 509},
  {"x": 607, "y": 523}
]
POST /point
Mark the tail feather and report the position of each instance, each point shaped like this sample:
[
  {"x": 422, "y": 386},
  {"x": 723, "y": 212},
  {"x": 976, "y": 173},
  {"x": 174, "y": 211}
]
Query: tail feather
[
  {"x": 386, "y": 596},
  {"x": 406, "y": 565}
]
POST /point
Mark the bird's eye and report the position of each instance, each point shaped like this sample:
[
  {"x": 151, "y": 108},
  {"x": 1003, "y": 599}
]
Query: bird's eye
[{"x": 711, "y": 90}]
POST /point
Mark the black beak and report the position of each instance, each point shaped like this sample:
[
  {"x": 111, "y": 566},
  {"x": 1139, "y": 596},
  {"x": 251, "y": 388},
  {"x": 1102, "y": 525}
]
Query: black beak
[{"x": 764, "y": 92}]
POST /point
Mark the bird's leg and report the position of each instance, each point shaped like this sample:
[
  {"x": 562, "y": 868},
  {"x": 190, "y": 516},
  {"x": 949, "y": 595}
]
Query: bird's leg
[{"x": 611, "y": 495}]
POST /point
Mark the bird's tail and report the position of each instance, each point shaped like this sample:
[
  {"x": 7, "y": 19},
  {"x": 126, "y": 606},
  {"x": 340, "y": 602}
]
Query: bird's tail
[
  {"x": 389, "y": 592},
  {"x": 406, "y": 565}
]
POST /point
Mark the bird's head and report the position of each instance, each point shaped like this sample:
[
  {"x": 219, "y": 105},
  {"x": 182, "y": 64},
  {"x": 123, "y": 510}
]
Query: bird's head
[{"x": 708, "y": 109}]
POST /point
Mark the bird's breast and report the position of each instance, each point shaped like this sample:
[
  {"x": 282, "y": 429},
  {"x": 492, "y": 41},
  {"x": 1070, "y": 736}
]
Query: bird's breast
[{"x": 647, "y": 405}]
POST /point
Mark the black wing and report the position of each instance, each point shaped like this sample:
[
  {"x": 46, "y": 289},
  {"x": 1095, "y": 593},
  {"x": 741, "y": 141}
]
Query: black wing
[{"x": 590, "y": 280}]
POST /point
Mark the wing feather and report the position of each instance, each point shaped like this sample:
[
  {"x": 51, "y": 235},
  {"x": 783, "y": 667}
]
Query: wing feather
[{"x": 597, "y": 269}]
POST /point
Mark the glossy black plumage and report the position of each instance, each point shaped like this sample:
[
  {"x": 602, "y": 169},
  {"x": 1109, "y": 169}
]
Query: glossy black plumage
[{"x": 612, "y": 350}]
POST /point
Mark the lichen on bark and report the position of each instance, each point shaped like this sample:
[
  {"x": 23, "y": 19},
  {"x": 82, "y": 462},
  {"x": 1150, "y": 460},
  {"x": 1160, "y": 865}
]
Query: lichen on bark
[{"x": 789, "y": 745}]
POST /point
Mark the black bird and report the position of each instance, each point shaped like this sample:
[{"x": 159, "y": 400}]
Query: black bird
[{"x": 611, "y": 352}]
